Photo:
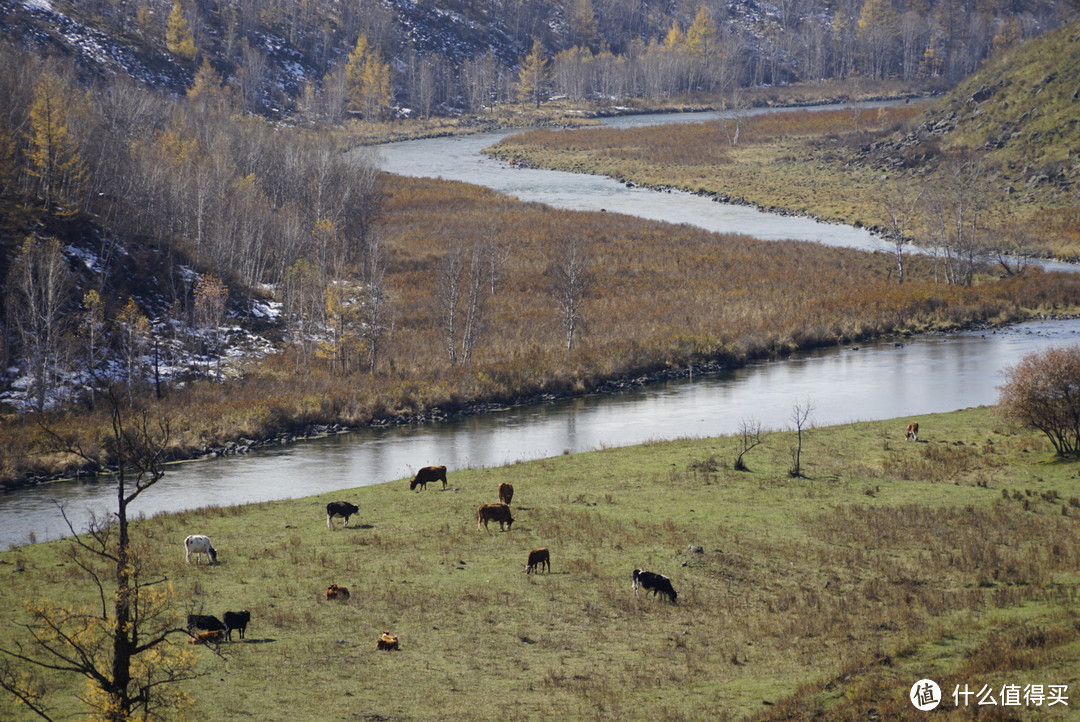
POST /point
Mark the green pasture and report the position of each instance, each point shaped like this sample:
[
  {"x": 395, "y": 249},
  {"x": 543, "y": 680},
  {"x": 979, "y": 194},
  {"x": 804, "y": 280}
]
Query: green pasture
[{"x": 956, "y": 557}]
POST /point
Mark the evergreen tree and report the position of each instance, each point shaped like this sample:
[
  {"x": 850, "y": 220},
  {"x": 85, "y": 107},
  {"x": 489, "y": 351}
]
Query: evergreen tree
[
  {"x": 178, "y": 37},
  {"x": 533, "y": 77}
]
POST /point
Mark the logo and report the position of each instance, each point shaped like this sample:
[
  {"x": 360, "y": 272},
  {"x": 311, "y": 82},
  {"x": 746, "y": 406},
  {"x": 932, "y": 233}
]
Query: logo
[{"x": 925, "y": 695}]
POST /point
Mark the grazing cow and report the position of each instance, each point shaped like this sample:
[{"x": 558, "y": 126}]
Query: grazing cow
[
  {"x": 538, "y": 558},
  {"x": 237, "y": 621},
  {"x": 426, "y": 474},
  {"x": 912, "y": 431},
  {"x": 387, "y": 641},
  {"x": 198, "y": 545},
  {"x": 506, "y": 492},
  {"x": 340, "y": 508},
  {"x": 207, "y": 637},
  {"x": 337, "y": 592},
  {"x": 494, "y": 512},
  {"x": 657, "y": 583},
  {"x": 205, "y": 622}
]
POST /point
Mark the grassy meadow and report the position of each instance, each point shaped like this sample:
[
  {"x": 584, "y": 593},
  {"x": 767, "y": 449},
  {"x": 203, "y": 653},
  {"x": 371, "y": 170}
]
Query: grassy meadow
[{"x": 956, "y": 557}]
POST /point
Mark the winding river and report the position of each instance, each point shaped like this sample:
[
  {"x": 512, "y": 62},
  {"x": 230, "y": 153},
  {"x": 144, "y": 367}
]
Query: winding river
[{"x": 876, "y": 381}]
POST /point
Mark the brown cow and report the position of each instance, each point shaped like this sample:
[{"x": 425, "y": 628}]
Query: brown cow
[
  {"x": 387, "y": 641},
  {"x": 506, "y": 492},
  {"x": 206, "y": 637},
  {"x": 426, "y": 474},
  {"x": 337, "y": 592},
  {"x": 538, "y": 558},
  {"x": 912, "y": 431},
  {"x": 494, "y": 512}
]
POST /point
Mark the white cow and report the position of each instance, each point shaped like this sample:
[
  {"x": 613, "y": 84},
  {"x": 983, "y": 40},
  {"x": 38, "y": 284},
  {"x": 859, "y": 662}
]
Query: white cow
[{"x": 198, "y": 545}]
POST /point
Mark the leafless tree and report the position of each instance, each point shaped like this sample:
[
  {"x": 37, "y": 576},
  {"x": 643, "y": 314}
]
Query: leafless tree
[
  {"x": 375, "y": 301},
  {"x": 900, "y": 201},
  {"x": 570, "y": 280},
  {"x": 800, "y": 420},
  {"x": 750, "y": 436},
  {"x": 460, "y": 301}
]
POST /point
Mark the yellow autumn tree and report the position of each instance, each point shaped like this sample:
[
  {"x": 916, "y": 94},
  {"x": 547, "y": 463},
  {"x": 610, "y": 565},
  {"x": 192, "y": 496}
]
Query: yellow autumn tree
[
  {"x": 877, "y": 33},
  {"x": 367, "y": 81},
  {"x": 703, "y": 48},
  {"x": 52, "y": 150},
  {"x": 178, "y": 37},
  {"x": 533, "y": 77}
]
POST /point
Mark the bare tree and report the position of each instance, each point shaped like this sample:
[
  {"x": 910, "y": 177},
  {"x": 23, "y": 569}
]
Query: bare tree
[
  {"x": 900, "y": 200},
  {"x": 800, "y": 419},
  {"x": 124, "y": 649},
  {"x": 461, "y": 302},
  {"x": 375, "y": 300},
  {"x": 570, "y": 279},
  {"x": 39, "y": 286},
  {"x": 751, "y": 435}
]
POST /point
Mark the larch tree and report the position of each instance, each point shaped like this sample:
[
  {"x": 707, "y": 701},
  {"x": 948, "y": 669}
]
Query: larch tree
[
  {"x": 211, "y": 298},
  {"x": 877, "y": 33},
  {"x": 367, "y": 81},
  {"x": 533, "y": 77},
  {"x": 92, "y": 333},
  {"x": 702, "y": 46},
  {"x": 178, "y": 37},
  {"x": 122, "y": 643},
  {"x": 52, "y": 150},
  {"x": 132, "y": 330}
]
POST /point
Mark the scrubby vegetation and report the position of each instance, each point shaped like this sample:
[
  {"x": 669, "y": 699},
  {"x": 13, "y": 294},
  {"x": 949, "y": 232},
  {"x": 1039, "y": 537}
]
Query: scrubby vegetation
[{"x": 954, "y": 558}]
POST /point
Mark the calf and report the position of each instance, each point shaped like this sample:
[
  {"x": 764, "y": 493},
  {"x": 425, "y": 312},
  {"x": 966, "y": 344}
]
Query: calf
[
  {"x": 387, "y": 641},
  {"x": 426, "y": 474},
  {"x": 340, "y": 509},
  {"x": 538, "y": 558},
  {"x": 506, "y": 492},
  {"x": 237, "y": 621},
  {"x": 656, "y": 583},
  {"x": 494, "y": 512},
  {"x": 207, "y": 637},
  {"x": 199, "y": 544},
  {"x": 206, "y": 622},
  {"x": 337, "y": 592},
  {"x": 912, "y": 431}
]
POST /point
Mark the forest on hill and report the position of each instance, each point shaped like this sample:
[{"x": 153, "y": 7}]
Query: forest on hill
[{"x": 253, "y": 275}]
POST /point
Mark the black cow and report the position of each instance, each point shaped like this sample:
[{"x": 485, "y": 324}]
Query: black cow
[
  {"x": 342, "y": 509},
  {"x": 207, "y": 622},
  {"x": 656, "y": 583},
  {"x": 237, "y": 621}
]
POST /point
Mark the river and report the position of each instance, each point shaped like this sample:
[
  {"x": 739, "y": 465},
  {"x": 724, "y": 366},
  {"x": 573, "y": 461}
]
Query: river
[{"x": 876, "y": 381}]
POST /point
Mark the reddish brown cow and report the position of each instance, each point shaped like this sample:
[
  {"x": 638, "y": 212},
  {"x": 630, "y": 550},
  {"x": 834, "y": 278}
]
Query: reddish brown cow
[
  {"x": 912, "y": 431},
  {"x": 494, "y": 512},
  {"x": 506, "y": 492},
  {"x": 426, "y": 474},
  {"x": 538, "y": 558},
  {"x": 337, "y": 592},
  {"x": 206, "y": 637}
]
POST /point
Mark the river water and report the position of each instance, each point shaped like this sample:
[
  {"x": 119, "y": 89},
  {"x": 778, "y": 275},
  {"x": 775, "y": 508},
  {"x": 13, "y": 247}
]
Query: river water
[{"x": 876, "y": 381}]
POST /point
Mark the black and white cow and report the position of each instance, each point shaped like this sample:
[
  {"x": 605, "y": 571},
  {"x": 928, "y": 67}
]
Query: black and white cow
[
  {"x": 656, "y": 583},
  {"x": 340, "y": 508},
  {"x": 198, "y": 545}
]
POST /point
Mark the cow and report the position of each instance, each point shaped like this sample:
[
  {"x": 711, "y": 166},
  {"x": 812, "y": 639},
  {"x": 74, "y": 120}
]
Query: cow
[
  {"x": 337, "y": 592},
  {"x": 426, "y": 474},
  {"x": 207, "y": 637},
  {"x": 237, "y": 621},
  {"x": 912, "y": 431},
  {"x": 506, "y": 492},
  {"x": 494, "y": 512},
  {"x": 387, "y": 641},
  {"x": 198, "y": 545},
  {"x": 205, "y": 622},
  {"x": 657, "y": 583},
  {"x": 340, "y": 508},
  {"x": 538, "y": 558}
]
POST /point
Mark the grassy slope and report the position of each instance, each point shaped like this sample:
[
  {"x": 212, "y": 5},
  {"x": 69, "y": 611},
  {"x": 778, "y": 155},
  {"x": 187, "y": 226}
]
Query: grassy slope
[{"x": 892, "y": 562}]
